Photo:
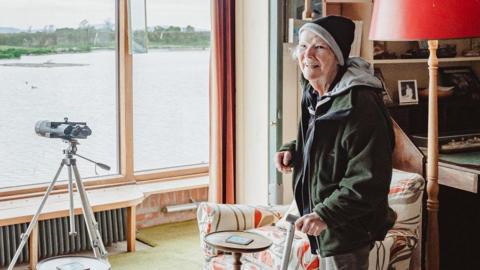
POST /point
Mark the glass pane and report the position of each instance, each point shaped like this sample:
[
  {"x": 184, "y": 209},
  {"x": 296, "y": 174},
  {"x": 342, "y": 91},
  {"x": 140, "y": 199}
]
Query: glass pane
[
  {"x": 170, "y": 86},
  {"x": 57, "y": 59},
  {"x": 137, "y": 26}
]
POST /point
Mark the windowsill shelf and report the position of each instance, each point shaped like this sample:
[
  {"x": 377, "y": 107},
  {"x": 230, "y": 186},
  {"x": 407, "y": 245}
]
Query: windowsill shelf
[{"x": 22, "y": 210}]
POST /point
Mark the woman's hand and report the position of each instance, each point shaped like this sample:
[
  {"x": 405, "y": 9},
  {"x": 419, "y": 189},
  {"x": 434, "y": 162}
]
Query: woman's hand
[
  {"x": 283, "y": 161},
  {"x": 311, "y": 224}
]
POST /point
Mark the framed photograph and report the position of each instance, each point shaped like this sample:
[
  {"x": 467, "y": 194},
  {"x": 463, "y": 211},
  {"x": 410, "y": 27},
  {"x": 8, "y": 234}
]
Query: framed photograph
[
  {"x": 462, "y": 78},
  {"x": 387, "y": 99},
  {"x": 407, "y": 92}
]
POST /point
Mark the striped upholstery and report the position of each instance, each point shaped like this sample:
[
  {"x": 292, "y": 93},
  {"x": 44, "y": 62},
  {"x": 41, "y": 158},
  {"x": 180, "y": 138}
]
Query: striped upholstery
[
  {"x": 226, "y": 217},
  {"x": 399, "y": 250}
]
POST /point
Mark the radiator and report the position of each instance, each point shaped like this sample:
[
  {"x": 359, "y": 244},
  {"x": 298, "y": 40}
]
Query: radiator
[{"x": 53, "y": 236}]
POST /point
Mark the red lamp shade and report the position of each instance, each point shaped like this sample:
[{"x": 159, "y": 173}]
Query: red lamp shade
[{"x": 398, "y": 20}]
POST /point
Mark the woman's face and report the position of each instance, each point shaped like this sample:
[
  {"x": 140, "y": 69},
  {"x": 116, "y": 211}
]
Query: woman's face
[{"x": 315, "y": 58}]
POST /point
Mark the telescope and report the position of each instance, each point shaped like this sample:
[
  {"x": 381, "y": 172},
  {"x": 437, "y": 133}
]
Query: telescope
[
  {"x": 69, "y": 132},
  {"x": 63, "y": 130}
]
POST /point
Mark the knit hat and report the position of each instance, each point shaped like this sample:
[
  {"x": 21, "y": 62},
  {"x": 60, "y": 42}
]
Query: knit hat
[{"x": 338, "y": 32}]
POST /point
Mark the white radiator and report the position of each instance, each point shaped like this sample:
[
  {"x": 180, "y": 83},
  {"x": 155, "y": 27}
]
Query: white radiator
[{"x": 54, "y": 239}]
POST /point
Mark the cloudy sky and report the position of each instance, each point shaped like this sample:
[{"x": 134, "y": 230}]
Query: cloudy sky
[{"x": 69, "y": 13}]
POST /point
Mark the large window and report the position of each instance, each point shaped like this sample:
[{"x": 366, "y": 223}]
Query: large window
[
  {"x": 57, "y": 59},
  {"x": 170, "y": 86},
  {"x": 67, "y": 59}
]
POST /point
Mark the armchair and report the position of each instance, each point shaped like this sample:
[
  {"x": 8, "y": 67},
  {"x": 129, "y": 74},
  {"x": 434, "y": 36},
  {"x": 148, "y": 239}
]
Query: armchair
[{"x": 401, "y": 248}]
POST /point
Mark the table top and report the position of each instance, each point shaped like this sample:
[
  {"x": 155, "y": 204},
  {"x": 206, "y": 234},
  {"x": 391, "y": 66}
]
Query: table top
[
  {"x": 465, "y": 158},
  {"x": 218, "y": 241},
  {"x": 73, "y": 262},
  {"x": 468, "y": 159}
]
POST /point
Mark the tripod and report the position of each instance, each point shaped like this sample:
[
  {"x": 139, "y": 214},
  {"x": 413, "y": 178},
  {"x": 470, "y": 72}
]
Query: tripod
[{"x": 91, "y": 224}]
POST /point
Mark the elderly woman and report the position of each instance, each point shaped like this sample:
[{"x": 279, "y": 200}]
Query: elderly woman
[{"x": 342, "y": 157}]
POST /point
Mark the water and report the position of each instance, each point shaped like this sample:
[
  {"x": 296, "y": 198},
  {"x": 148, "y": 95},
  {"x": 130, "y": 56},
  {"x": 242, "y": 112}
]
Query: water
[{"x": 170, "y": 112}]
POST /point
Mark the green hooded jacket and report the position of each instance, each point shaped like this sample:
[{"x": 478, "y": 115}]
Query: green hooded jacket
[{"x": 342, "y": 161}]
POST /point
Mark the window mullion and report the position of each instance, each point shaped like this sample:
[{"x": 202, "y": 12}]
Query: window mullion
[{"x": 125, "y": 94}]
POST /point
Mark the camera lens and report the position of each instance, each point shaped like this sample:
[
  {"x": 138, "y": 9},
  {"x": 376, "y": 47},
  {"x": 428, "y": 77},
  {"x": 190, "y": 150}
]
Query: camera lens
[{"x": 42, "y": 127}]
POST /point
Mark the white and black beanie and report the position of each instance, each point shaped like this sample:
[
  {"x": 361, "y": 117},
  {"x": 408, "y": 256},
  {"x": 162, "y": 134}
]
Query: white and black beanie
[{"x": 337, "y": 31}]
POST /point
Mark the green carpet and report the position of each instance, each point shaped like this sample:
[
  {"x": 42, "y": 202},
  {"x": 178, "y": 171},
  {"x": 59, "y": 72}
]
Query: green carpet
[{"x": 176, "y": 246}]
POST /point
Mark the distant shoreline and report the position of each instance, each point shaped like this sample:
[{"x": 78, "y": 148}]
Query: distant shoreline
[
  {"x": 46, "y": 64},
  {"x": 17, "y": 53},
  {"x": 50, "y": 64}
]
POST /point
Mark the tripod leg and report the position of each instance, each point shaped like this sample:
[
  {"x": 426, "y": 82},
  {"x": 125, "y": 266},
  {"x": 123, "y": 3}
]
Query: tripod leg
[
  {"x": 33, "y": 223},
  {"x": 92, "y": 225},
  {"x": 71, "y": 209}
]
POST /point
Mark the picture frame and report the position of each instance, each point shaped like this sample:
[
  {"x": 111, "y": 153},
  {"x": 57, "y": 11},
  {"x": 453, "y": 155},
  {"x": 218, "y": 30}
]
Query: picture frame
[
  {"x": 407, "y": 92},
  {"x": 385, "y": 95},
  {"x": 463, "y": 78}
]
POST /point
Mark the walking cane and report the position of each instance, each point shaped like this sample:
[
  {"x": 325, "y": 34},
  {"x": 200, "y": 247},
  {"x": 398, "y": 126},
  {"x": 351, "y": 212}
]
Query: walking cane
[{"x": 288, "y": 240}]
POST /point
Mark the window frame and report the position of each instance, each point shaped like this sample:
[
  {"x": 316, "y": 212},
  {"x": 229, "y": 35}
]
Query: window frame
[{"x": 126, "y": 175}]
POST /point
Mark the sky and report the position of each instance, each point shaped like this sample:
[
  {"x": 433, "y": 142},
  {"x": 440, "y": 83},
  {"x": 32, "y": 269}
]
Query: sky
[{"x": 69, "y": 13}]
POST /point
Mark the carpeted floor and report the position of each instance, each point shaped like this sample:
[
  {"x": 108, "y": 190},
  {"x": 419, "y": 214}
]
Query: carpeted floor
[{"x": 176, "y": 246}]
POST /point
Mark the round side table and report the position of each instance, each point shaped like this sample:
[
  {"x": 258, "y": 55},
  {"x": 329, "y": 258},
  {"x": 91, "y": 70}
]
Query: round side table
[
  {"x": 218, "y": 241},
  {"x": 67, "y": 261}
]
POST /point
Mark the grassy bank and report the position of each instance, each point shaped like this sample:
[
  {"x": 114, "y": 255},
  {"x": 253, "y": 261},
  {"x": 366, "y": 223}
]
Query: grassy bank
[
  {"x": 177, "y": 47},
  {"x": 16, "y": 52},
  {"x": 8, "y": 52}
]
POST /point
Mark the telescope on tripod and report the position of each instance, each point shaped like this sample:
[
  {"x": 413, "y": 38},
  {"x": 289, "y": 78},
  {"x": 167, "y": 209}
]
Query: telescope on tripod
[{"x": 69, "y": 132}]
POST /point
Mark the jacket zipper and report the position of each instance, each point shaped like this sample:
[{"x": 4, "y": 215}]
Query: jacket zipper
[{"x": 309, "y": 175}]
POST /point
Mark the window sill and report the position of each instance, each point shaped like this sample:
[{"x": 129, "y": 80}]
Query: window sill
[
  {"x": 37, "y": 190},
  {"x": 164, "y": 186},
  {"x": 22, "y": 210},
  {"x": 171, "y": 173}
]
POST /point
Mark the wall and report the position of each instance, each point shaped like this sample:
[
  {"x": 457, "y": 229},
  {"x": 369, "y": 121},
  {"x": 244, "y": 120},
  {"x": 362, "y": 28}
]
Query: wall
[
  {"x": 292, "y": 95},
  {"x": 149, "y": 211},
  {"x": 252, "y": 101}
]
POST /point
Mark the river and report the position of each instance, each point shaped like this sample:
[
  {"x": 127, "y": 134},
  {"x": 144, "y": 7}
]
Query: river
[{"x": 170, "y": 111}]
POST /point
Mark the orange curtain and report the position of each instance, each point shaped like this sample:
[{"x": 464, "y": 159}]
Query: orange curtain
[{"x": 222, "y": 85}]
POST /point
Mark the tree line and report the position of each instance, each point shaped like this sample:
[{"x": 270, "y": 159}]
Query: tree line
[{"x": 86, "y": 38}]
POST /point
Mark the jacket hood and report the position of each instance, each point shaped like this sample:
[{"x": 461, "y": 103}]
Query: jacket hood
[{"x": 358, "y": 73}]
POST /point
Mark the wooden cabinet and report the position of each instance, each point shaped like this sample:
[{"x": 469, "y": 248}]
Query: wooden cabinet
[
  {"x": 459, "y": 220},
  {"x": 454, "y": 115}
]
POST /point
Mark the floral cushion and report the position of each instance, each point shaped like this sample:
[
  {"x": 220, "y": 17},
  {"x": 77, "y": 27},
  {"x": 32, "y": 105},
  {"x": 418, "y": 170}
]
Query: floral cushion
[
  {"x": 405, "y": 198},
  {"x": 400, "y": 249}
]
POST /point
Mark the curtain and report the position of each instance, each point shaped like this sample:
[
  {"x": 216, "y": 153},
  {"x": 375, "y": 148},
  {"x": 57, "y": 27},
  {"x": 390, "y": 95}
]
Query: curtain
[{"x": 222, "y": 102}]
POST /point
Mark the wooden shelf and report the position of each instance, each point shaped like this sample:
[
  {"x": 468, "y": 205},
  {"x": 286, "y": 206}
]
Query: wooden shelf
[
  {"x": 22, "y": 210},
  {"x": 406, "y": 61}
]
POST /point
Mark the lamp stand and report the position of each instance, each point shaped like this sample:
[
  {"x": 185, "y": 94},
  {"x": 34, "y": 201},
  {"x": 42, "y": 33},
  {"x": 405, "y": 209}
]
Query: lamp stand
[{"x": 432, "y": 161}]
